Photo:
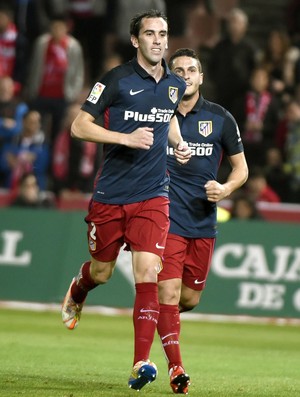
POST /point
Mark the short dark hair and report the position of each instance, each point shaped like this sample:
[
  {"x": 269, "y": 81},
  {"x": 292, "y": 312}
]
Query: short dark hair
[
  {"x": 185, "y": 52},
  {"x": 136, "y": 22}
]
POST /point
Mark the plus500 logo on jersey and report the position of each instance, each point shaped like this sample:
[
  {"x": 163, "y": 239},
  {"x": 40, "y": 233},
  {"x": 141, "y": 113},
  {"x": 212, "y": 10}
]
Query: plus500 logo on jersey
[
  {"x": 156, "y": 115},
  {"x": 204, "y": 149}
]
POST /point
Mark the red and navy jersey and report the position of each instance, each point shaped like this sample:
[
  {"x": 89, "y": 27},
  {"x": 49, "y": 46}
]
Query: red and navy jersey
[
  {"x": 210, "y": 132},
  {"x": 129, "y": 98}
]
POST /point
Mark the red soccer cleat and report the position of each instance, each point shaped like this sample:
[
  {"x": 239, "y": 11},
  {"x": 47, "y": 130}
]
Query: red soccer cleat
[{"x": 179, "y": 380}]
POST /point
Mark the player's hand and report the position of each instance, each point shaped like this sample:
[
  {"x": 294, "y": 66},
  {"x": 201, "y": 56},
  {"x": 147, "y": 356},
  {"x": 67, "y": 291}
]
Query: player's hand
[
  {"x": 215, "y": 191},
  {"x": 141, "y": 138},
  {"x": 182, "y": 153}
]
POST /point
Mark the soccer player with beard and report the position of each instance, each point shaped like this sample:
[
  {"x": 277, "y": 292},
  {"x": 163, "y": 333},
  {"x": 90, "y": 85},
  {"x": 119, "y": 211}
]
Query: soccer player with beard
[{"x": 210, "y": 131}]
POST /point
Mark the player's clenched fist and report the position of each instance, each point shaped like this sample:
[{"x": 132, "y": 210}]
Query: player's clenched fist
[
  {"x": 141, "y": 138},
  {"x": 215, "y": 191},
  {"x": 182, "y": 152}
]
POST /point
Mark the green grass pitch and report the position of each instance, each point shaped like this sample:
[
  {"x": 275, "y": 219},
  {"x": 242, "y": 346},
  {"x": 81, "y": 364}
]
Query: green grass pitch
[{"x": 40, "y": 357}]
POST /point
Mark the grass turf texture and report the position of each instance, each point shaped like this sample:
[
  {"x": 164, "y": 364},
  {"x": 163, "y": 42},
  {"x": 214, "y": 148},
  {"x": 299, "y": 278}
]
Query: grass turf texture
[{"x": 39, "y": 357}]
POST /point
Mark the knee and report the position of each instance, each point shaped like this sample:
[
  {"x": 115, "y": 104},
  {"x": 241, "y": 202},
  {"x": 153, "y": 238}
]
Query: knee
[
  {"x": 145, "y": 267},
  {"x": 145, "y": 274},
  {"x": 168, "y": 297},
  {"x": 187, "y": 304},
  {"x": 101, "y": 278},
  {"x": 169, "y": 292},
  {"x": 101, "y": 273}
]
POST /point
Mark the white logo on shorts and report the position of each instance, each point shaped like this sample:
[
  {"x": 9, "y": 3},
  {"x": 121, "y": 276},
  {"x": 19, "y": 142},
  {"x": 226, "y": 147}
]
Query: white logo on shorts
[
  {"x": 159, "y": 246},
  {"x": 199, "y": 282}
]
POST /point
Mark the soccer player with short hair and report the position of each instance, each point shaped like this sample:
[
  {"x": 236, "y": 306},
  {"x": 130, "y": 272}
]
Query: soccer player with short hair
[
  {"x": 130, "y": 200},
  {"x": 210, "y": 131}
]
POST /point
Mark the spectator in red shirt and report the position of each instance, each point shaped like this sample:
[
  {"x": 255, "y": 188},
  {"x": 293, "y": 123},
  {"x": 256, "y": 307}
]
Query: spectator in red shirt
[
  {"x": 73, "y": 161},
  {"x": 13, "y": 47},
  {"x": 56, "y": 74},
  {"x": 259, "y": 118},
  {"x": 258, "y": 188}
]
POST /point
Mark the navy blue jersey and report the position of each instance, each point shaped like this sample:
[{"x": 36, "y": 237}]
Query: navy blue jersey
[
  {"x": 210, "y": 131},
  {"x": 130, "y": 98}
]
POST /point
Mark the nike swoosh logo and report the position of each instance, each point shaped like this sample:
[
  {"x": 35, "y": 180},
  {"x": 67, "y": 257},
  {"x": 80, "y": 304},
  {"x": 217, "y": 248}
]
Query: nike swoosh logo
[
  {"x": 135, "y": 92},
  {"x": 159, "y": 246},
  {"x": 148, "y": 310},
  {"x": 199, "y": 282},
  {"x": 164, "y": 337}
]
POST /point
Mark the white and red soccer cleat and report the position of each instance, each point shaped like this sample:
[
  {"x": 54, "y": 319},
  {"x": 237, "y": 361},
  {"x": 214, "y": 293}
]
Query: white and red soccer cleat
[
  {"x": 179, "y": 380},
  {"x": 71, "y": 311}
]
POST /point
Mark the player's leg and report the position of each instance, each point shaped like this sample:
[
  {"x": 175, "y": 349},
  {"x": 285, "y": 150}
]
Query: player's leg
[
  {"x": 169, "y": 285},
  {"x": 145, "y": 317},
  {"x": 189, "y": 298},
  {"x": 146, "y": 233},
  {"x": 146, "y": 305},
  {"x": 168, "y": 326},
  {"x": 104, "y": 247},
  {"x": 169, "y": 319},
  {"x": 91, "y": 274},
  {"x": 197, "y": 265}
]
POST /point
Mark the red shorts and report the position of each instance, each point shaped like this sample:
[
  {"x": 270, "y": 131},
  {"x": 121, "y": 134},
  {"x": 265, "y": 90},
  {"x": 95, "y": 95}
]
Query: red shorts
[
  {"x": 142, "y": 226},
  {"x": 188, "y": 259}
]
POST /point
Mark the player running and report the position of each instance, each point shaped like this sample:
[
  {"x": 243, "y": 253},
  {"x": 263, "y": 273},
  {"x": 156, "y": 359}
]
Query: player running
[
  {"x": 130, "y": 200},
  {"x": 194, "y": 191}
]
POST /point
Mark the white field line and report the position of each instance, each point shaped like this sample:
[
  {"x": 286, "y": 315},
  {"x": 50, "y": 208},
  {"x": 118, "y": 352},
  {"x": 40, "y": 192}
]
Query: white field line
[{"x": 111, "y": 311}]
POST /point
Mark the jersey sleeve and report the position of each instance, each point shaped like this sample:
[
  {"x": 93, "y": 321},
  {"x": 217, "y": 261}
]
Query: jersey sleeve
[
  {"x": 231, "y": 137},
  {"x": 102, "y": 95}
]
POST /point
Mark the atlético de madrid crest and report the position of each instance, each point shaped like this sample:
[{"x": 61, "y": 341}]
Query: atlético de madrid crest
[
  {"x": 205, "y": 128},
  {"x": 173, "y": 94}
]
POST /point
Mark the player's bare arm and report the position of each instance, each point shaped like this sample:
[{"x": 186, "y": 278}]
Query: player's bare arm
[
  {"x": 182, "y": 152},
  {"x": 216, "y": 191},
  {"x": 84, "y": 128}
]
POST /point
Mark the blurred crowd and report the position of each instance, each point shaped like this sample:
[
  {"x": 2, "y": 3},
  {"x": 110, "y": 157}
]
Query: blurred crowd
[{"x": 52, "y": 51}]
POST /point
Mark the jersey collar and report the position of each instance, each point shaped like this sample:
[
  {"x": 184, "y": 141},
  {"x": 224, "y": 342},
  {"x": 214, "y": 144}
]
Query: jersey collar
[
  {"x": 142, "y": 72},
  {"x": 198, "y": 105}
]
